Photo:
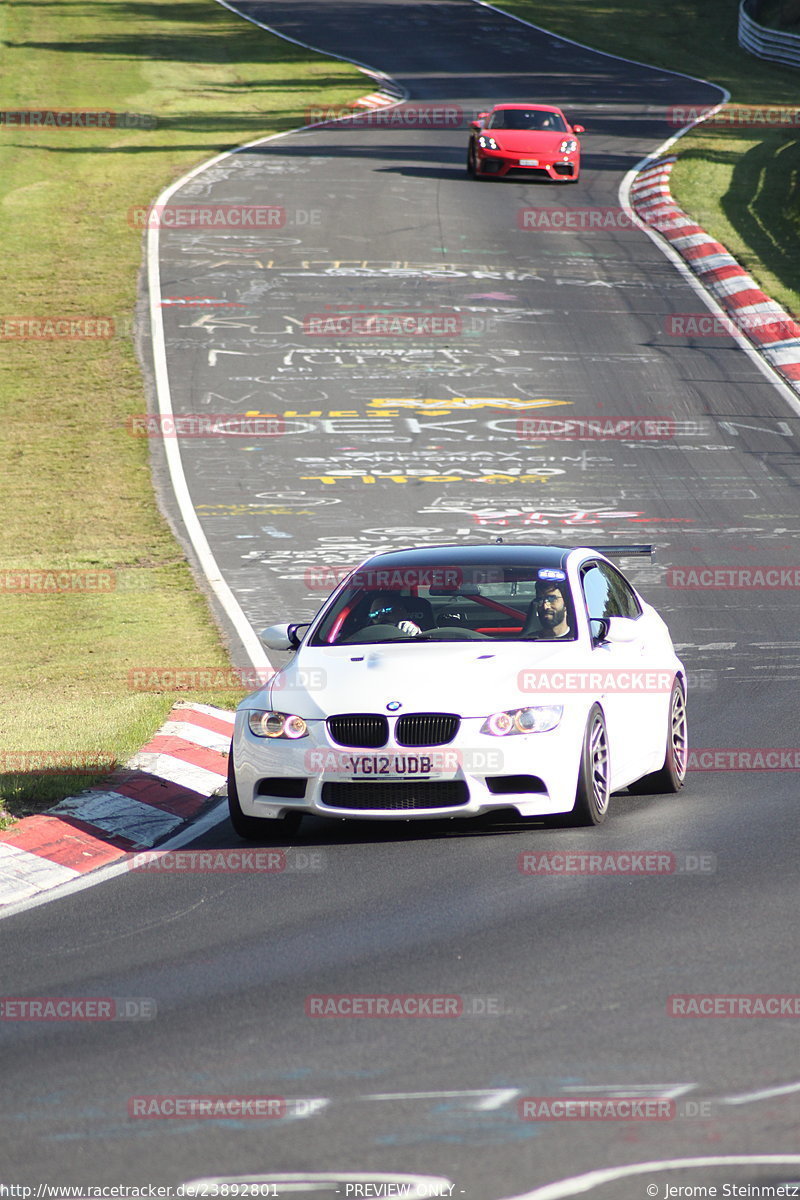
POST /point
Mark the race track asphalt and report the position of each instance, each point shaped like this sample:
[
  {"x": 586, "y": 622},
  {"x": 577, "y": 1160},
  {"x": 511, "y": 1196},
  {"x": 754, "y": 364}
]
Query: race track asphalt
[{"x": 384, "y": 442}]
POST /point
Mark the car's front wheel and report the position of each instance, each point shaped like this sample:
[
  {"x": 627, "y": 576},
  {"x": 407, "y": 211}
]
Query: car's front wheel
[
  {"x": 472, "y": 164},
  {"x": 253, "y": 829},
  {"x": 592, "y": 793},
  {"x": 672, "y": 775}
]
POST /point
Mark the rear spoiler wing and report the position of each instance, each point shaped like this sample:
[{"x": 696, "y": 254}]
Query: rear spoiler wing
[{"x": 637, "y": 550}]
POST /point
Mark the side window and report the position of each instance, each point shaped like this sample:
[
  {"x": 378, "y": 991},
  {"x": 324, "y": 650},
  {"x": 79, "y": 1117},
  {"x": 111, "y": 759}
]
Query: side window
[
  {"x": 607, "y": 593},
  {"x": 596, "y": 592},
  {"x": 621, "y": 601}
]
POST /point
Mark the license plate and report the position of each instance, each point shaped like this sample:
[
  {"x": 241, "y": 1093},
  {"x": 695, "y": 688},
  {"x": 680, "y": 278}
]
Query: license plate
[
  {"x": 376, "y": 765},
  {"x": 529, "y": 162}
]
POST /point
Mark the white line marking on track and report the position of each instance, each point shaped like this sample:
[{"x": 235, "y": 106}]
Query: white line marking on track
[
  {"x": 666, "y": 1091},
  {"x": 578, "y": 1184},
  {"x": 194, "y": 529},
  {"x": 750, "y": 1097},
  {"x": 492, "y": 1097}
]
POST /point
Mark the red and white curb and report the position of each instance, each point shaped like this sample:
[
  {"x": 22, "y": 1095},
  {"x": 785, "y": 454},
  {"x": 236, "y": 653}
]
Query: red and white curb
[
  {"x": 380, "y": 99},
  {"x": 767, "y": 326},
  {"x": 162, "y": 789}
]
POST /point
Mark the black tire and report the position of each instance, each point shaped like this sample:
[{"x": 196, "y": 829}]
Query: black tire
[
  {"x": 592, "y": 793},
  {"x": 255, "y": 829},
  {"x": 671, "y": 776},
  {"x": 472, "y": 166}
]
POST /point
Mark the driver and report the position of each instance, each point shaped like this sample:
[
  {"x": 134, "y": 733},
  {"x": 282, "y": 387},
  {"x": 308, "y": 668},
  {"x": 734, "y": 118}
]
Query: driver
[
  {"x": 551, "y": 609},
  {"x": 385, "y": 608}
]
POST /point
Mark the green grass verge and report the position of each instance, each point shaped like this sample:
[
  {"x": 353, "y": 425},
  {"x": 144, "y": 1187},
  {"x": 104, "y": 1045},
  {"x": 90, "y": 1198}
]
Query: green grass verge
[
  {"x": 741, "y": 184},
  {"x": 76, "y": 488}
]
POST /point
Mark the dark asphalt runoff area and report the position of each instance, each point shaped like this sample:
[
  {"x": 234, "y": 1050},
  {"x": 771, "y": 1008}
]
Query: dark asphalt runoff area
[{"x": 564, "y": 981}]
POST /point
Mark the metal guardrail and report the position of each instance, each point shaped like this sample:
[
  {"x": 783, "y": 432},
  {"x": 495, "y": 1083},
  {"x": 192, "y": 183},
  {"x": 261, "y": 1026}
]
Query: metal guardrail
[{"x": 772, "y": 44}]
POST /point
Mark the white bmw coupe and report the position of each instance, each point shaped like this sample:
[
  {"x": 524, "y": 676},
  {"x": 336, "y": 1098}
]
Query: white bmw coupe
[{"x": 450, "y": 681}]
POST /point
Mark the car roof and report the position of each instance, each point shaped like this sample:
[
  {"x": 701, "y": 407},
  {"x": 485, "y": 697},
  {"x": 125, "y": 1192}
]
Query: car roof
[
  {"x": 502, "y": 555},
  {"x": 535, "y": 107}
]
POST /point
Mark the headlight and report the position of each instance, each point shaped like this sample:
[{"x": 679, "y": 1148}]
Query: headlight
[
  {"x": 567, "y": 146},
  {"x": 487, "y": 143},
  {"x": 276, "y": 725},
  {"x": 523, "y": 720}
]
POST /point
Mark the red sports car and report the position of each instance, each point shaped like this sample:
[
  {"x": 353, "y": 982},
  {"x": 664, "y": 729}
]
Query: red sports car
[{"x": 527, "y": 139}]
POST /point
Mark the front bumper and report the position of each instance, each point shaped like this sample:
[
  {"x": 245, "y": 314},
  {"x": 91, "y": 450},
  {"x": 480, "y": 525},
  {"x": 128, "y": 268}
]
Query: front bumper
[
  {"x": 535, "y": 774},
  {"x": 499, "y": 163}
]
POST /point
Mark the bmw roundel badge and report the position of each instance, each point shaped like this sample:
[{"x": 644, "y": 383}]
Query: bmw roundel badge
[{"x": 393, "y": 706}]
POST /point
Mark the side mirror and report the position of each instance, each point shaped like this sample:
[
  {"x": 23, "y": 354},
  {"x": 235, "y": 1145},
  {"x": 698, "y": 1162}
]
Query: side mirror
[
  {"x": 598, "y": 627},
  {"x": 578, "y": 129},
  {"x": 280, "y": 637},
  {"x": 616, "y": 630},
  {"x": 476, "y": 124},
  {"x": 622, "y": 630}
]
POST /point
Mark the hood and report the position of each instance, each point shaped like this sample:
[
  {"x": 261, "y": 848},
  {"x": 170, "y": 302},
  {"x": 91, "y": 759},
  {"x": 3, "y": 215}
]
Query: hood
[
  {"x": 520, "y": 141},
  {"x": 472, "y": 679}
]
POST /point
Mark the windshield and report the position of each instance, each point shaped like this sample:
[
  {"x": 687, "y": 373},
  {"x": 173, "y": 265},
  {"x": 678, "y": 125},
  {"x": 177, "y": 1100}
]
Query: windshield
[
  {"x": 450, "y": 603},
  {"x": 524, "y": 118}
]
